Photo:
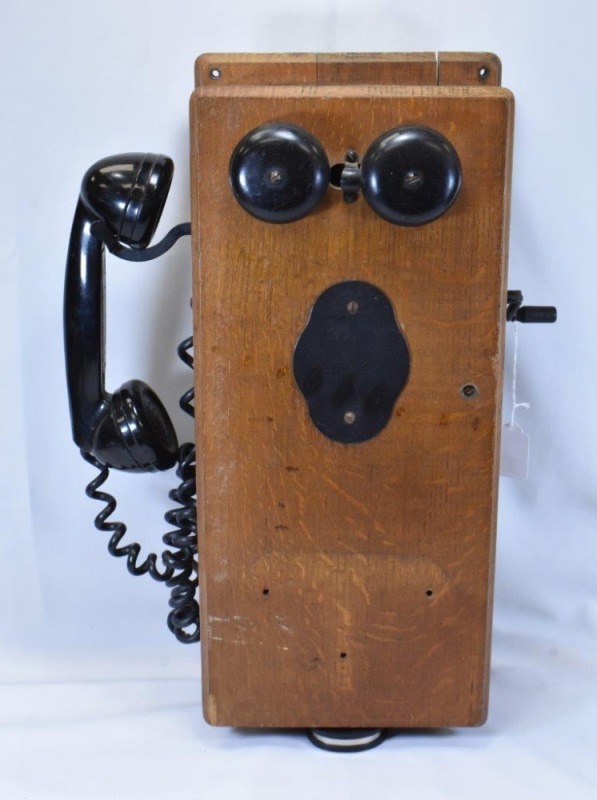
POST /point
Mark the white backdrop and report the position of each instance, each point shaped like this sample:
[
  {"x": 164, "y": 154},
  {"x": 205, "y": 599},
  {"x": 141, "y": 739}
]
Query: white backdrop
[{"x": 95, "y": 692}]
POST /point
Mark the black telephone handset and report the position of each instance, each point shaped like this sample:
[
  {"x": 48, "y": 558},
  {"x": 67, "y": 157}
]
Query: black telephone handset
[{"x": 120, "y": 204}]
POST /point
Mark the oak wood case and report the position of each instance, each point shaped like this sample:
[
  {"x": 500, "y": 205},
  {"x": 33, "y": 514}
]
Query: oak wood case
[{"x": 348, "y": 585}]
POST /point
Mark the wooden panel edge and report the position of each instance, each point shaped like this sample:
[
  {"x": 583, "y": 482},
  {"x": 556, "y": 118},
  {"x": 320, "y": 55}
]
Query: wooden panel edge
[
  {"x": 342, "y": 69},
  {"x": 509, "y": 150},
  {"x": 323, "y": 68},
  {"x": 245, "y": 69},
  {"x": 468, "y": 69},
  {"x": 209, "y": 713},
  {"x": 392, "y": 69},
  {"x": 355, "y": 91}
]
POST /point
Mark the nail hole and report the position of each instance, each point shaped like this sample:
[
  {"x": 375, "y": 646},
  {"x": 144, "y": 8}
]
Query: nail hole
[
  {"x": 429, "y": 592},
  {"x": 469, "y": 390},
  {"x": 352, "y": 307},
  {"x": 350, "y": 417},
  {"x": 265, "y": 592},
  {"x": 215, "y": 73},
  {"x": 343, "y": 656},
  {"x": 483, "y": 73}
]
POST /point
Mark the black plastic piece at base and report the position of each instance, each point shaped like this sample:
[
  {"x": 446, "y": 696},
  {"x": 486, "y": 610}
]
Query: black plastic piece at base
[{"x": 346, "y": 740}]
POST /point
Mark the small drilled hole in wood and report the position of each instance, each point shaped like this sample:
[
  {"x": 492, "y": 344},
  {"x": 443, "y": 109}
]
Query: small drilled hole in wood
[
  {"x": 343, "y": 656},
  {"x": 468, "y": 391},
  {"x": 336, "y": 175},
  {"x": 265, "y": 592},
  {"x": 215, "y": 73},
  {"x": 429, "y": 592},
  {"x": 483, "y": 73}
]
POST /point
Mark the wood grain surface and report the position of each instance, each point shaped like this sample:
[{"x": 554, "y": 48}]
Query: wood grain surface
[{"x": 347, "y": 585}]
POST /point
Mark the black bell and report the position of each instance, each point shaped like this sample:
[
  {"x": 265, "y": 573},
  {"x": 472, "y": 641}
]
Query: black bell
[
  {"x": 411, "y": 175},
  {"x": 279, "y": 172}
]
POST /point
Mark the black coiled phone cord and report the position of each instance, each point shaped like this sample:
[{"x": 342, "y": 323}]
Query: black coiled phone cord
[{"x": 180, "y": 567}]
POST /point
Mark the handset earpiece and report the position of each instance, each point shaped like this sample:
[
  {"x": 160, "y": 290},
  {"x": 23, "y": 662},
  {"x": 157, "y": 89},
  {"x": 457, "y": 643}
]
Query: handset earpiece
[{"x": 124, "y": 195}]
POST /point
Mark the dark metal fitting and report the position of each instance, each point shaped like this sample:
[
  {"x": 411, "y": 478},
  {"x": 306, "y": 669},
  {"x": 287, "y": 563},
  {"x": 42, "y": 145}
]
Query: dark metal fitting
[
  {"x": 516, "y": 312},
  {"x": 350, "y": 179}
]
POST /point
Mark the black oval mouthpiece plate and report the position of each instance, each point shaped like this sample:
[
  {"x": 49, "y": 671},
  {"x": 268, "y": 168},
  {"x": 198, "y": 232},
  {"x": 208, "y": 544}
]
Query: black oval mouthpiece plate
[{"x": 351, "y": 362}]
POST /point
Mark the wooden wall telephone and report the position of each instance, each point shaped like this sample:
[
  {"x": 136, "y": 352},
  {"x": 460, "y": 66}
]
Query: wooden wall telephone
[{"x": 350, "y": 233}]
